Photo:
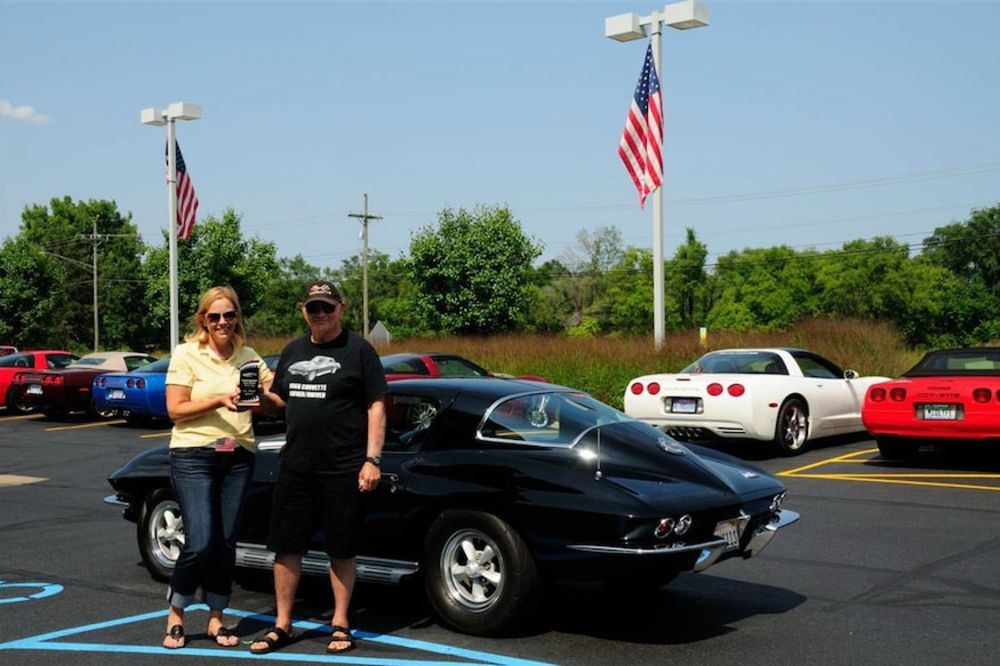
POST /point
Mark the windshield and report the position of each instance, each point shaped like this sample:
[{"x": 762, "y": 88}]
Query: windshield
[
  {"x": 156, "y": 366},
  {"x": 742, "y": 362},
  {"x": 958, "y": 362},
  {"x": 547, "y": 418}
]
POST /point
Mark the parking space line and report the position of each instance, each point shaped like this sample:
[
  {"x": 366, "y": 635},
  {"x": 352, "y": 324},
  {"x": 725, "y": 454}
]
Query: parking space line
[
  {"x": 78, "y": 426},
  {"x": 829, "y": 461},
  {"x": 48, "y": 642},
  {"x": 954, "y": 480},
  {"x": 876, "y": 478},
  {"x": 156, "y": 434},
  {"x": 23, "y": 417}
]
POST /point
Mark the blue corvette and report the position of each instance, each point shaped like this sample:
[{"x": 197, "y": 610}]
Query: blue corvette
[{"x": 138, "y": 395}]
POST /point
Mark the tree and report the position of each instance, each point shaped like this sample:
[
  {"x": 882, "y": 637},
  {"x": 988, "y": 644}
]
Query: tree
[
  {"x": 391, "y": 294},
  {"x": 59, "y": 231},
  {"x": 585, "y": 288},
  {"x": 216, "y": 254},
  {"x": 685, "y": 279},
  {"x": 277, "y": 313},
  {"x": 970, "y": 250},
  {"x": 769, "y": 289},
  {"x": 472, "y": 271},
  {"x": 30, "y": 303}
]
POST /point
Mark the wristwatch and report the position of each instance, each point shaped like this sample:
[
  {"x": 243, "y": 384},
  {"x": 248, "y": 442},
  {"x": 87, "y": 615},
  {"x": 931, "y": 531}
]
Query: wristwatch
[{"x": 375, "y": 460}]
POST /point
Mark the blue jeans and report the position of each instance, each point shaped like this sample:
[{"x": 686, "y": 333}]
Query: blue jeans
[{"x": 210, "y": 487}]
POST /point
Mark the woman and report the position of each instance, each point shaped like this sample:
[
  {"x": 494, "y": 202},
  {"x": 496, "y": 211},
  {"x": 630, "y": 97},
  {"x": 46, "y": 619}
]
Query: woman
[{"x": 211, "y": 458}]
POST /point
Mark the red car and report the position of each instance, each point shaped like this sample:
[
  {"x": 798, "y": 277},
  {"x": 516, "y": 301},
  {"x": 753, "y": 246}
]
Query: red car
[
  {"x": 69, "y": 389},
  {"x": 12, "y": 364},
  {"x": 951, "y": 395},
  {"x": 422, "y": 366}
]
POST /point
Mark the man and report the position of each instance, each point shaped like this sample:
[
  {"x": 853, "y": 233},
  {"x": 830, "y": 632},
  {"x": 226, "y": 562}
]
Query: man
[{"x": 331, "y": 385}]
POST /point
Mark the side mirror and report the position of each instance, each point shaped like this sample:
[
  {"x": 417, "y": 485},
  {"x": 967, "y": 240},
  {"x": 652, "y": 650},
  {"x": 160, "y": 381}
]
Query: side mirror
[{"x": 850, "y": 374}]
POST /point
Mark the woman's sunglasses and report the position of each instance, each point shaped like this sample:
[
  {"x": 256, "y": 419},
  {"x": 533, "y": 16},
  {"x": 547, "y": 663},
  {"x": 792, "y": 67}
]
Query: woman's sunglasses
[
  {"x": 214, "y": 317},
  {"x": 315, "y": 307}
]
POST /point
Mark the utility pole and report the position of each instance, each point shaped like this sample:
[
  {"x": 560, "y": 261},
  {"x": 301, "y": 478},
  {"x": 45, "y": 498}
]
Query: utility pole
[
  {"x": 96, "y": 239},
  {"x": 364, "y": 217}
]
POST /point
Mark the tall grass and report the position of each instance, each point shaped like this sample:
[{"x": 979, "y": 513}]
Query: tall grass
[{"x": 602, "y": 366}]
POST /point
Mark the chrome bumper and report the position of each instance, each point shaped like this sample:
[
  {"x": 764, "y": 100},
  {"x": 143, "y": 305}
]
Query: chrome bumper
[
  {"x": 710, "y": 551},
  {"x": 114, "y": 501}
]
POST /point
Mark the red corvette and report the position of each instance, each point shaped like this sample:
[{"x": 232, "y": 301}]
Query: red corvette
[
  {"x": 12, "y": 364},
  {"x": 421, "y": 366},
  {"x": 950, "y": 395}
]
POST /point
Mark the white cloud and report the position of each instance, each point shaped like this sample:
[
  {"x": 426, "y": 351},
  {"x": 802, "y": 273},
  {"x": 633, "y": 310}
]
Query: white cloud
[{"x": 8, "y": 110}]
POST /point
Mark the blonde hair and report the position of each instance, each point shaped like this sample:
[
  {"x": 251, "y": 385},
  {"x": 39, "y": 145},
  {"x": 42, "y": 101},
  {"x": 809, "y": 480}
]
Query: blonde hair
[{"x": 199, "y": 324}]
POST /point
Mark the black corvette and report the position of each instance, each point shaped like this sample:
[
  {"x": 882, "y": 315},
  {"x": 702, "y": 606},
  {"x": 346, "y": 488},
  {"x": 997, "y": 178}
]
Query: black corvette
[{"x": 492, "y": 486}]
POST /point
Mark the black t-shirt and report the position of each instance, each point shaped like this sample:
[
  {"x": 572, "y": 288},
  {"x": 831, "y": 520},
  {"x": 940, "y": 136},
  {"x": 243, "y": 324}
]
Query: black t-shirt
[{"x": 327, "y": 388}]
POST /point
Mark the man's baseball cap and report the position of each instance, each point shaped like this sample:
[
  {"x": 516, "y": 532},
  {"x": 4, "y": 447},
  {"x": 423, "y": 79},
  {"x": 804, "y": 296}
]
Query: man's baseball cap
[{"x": 322, "y": 290}]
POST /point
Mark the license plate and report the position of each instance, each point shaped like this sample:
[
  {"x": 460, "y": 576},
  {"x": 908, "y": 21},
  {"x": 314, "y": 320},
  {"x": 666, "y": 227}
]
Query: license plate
[
  {"x": 940, "y": 412},
  {"x": 684, "y": 405},
  {"x": 732, "y": 530},
  {"x": 116, "y": 394},
  {"x": 35, "y": 389}
]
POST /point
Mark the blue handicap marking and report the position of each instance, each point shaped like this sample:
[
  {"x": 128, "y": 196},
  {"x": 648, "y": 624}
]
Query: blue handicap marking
[
  {"x": 454, "y": 656},
  {"x": 47, "y": 590}
]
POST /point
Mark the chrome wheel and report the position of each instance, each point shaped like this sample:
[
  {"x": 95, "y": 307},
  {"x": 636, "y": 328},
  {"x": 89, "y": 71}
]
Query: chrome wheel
[
  {"x": 472, "y": 568},
  {"x": 165, "y": 533},
  {"x": 793, "y": 427},
  {"x": 422, "y": 415}
]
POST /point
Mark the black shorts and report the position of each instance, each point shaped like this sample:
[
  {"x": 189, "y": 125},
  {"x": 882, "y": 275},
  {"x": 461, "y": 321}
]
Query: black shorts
[{"x": 305, "y": 501}]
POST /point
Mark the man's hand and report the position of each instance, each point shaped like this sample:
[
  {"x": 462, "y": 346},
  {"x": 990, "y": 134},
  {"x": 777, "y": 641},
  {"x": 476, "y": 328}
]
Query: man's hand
[{"x": 368, "y": 477}]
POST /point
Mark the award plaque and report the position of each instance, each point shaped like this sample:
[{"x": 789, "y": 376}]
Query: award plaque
[{"x": 249, "y": 381}]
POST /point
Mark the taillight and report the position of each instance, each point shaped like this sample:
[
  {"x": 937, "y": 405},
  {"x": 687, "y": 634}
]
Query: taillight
[
  {"x": 130, "y": 383},
  {"x": 19, "y": 378},
  {"x": 665, "y": 527},
  {"x": 736, "y": 390},
  {"x": 653, "y": 388},
  {"x": 140, "y": 383},
  {"x": 898, "y": 394},
  {"x": 636, "y": 388},
  {"x": 714, "y": 389},
  {"x": 981, "y": 395},
  {"x": 877, "y": 395}
]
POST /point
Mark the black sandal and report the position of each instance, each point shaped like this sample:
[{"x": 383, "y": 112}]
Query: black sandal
[
  {"x": 177, "y": 633},
  {"x": 347, "y": 638},
  {"x": 223, "y": 632},
  {"x": 283, "y": 639}
]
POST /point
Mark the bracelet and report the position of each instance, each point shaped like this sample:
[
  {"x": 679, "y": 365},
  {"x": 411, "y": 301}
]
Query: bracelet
[{"x": 375, "y": 460}]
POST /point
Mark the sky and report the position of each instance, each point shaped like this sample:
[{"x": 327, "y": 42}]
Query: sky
[{"x": 807, "y": 124}]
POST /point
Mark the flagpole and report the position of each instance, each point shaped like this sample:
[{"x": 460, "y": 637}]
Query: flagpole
[
  {"x": 172, "y": 226},
  {"x": 683, "y": 15},
  {"x": 658, "y": 288}
]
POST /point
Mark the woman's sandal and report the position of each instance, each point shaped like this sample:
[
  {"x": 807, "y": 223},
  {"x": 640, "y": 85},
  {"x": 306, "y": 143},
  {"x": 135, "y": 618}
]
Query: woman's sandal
[
  {"x": 177, "y": 633},
  {"x": 282, "y": 639},
  {"x": 346, "y": 638},
  {"x": 223, "y": 632}
]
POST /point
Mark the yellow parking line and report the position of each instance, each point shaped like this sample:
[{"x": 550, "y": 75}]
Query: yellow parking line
[
  {"x": 22, "y": 417},
  {"x": 156, "y": 434},
  {"x": 901, "y": 482},
  {"x": 843, "y": 458},
  {"x": 87, "y": 425}
]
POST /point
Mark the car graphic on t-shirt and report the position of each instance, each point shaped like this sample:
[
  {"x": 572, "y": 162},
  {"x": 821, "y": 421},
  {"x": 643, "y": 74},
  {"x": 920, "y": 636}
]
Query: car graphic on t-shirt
[{"x": 318, "y": 365}]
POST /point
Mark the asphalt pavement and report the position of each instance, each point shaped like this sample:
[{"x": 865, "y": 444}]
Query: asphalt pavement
[{"x": 889, "y": 564}]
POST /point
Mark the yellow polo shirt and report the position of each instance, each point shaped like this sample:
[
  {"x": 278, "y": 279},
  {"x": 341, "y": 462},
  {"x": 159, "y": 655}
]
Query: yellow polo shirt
[{"x": 199, "y": 368}]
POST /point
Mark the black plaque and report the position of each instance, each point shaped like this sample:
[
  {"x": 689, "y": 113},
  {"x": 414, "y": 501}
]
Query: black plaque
[{"x": 249, "y": 383}]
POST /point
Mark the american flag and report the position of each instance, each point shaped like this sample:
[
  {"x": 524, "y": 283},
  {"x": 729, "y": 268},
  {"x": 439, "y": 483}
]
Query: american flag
[
  {"x": 643, "y": 134},
  {"x": 187, "y": 200}
]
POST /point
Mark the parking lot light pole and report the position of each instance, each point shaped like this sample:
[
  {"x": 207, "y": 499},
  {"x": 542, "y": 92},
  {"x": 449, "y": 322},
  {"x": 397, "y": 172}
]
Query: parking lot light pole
[
  {"x": 626, "y": 28},
  {"x": 159, "y": 117}
]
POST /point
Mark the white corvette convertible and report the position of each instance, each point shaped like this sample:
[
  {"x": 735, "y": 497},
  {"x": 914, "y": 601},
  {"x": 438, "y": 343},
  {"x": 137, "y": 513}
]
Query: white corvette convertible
[{"x": 785, "y": 396}]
